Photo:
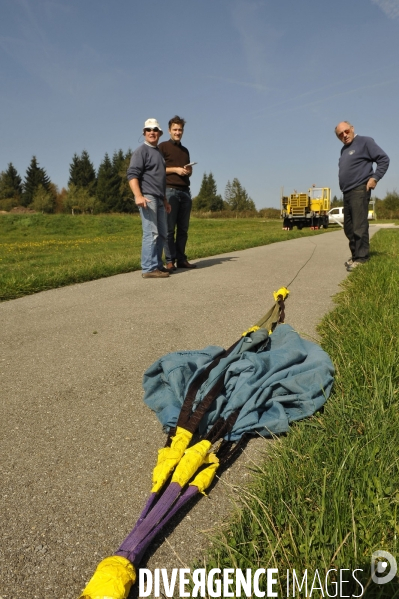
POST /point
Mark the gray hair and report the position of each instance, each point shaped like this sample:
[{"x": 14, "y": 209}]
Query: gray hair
[{"x": 347, "y": 122}]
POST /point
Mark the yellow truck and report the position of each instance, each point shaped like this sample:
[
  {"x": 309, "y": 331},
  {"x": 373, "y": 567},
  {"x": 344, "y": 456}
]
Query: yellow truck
[{"x": 306, "y": 209}]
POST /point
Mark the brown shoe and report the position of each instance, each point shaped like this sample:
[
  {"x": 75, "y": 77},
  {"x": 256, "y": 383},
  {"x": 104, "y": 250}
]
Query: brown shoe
[
  {"x": 155, "y": 274},
  {"x": 186, "y": 264},
  {"x": 170, "y": 267}
]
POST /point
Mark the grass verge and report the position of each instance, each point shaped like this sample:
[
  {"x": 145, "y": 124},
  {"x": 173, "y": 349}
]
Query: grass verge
[
  {"x": 39, "y": 252},
  {"x": 327, "y": 494}
]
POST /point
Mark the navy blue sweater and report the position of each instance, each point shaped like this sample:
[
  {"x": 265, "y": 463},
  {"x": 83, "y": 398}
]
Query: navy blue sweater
[
  {"x": 356, "y": 163},
  {"x": 148, "y": 166}
]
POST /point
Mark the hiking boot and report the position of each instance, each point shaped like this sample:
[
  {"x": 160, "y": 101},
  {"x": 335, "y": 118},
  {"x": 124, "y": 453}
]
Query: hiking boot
[
  {"x": 353, "y": 266},
  {"x": 163, "y": 269},
  {"x": 155, "y": 274},
  {"x": 349, "y": 262}
]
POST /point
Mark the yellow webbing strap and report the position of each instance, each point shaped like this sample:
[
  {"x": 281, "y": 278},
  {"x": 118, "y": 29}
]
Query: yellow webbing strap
[
  {"x": 190, "y": 462},
  {"x": 168, "y": 457},
  {"x": 251, "y": 330},
  {"x": 204, "y": 479},
  {"x": 283, "y": 291},
  {"x": 112, "y": 579}
]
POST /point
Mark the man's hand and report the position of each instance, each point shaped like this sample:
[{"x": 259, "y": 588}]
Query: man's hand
[
  {"x": 182, "y": 170},
  {"x": 371, "y": 183},
  {"x": 141, "y": 201},
  {"x": 168, "y": 207}
]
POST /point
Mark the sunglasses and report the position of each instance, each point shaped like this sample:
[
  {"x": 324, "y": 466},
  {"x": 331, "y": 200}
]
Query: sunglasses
[
  {"x": 151, "y": 129},
  {"x": 346, "y": 132}
]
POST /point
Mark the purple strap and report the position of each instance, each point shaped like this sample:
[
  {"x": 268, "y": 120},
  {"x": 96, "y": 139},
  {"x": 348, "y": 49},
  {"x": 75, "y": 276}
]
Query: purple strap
[
  {"x": 136, "y": 555},
  {"x": 140, "y": 532}
]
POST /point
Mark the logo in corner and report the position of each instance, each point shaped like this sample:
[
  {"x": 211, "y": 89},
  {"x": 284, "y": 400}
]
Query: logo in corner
[{"x": 383, "y": 563}]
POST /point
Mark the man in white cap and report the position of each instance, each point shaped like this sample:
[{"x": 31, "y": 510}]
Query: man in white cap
[{"x": 147, "y": 179}]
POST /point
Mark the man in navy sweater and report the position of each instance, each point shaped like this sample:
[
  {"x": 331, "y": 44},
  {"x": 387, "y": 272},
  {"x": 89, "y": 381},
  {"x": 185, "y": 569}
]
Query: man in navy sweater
[{"x": 356, "y": 179}]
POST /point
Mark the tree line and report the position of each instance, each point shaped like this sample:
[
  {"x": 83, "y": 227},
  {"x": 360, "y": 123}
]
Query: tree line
[{"x": 105, "y": 190}]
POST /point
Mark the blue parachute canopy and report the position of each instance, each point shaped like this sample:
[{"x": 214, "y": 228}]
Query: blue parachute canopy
[{"x": 273, "y": 381}]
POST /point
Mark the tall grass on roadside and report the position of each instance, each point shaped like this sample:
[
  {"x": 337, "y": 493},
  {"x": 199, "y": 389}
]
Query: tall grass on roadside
[
  {"x": 327, "y": 494},
  {"x": 39, "y": 252}
]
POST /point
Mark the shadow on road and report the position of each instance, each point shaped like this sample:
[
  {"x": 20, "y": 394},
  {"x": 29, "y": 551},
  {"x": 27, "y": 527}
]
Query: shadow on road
[{"x": 214, "y": 261}]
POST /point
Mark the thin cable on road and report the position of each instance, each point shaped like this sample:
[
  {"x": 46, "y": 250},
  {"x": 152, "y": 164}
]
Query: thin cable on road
[{"x": 303, "y": 266}]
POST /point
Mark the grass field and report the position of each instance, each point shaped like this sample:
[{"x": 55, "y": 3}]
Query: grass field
[
  {"x": 39, "y": 252},
  {"x": 327, "y": 495}
]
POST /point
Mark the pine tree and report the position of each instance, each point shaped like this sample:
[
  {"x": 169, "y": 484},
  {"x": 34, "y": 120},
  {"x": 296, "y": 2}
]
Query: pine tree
[
  {"x": 34, "y": 177},
  {"x": 11, "y": 185},
  {"x": 227, "y": 192},
  {"x": 120, "y": 163},
  {"x": 107, "y": 190},
  {"x": 87, "y": 172},
  {"x": 208, "y": 198},
  {"x": 201, "y": 202},
  {"x": 82, "y": 172},
  {"x": 238, "y": 198},
  {"x": 74, "y": 170}
]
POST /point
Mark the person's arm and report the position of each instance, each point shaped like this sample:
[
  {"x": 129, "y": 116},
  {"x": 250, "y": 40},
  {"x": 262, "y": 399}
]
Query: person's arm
[
  {"x": 139, "y": 199},
  {"x": 183, "y": 171},
  {"x": 381, "y": 159}
]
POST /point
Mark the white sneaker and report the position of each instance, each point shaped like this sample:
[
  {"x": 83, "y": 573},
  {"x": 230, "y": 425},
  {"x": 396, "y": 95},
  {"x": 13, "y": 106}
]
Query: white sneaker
[{"x": 353, "y": 266}]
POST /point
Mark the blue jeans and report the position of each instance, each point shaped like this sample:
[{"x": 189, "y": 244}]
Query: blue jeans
[
  {"x": 153, "y": 221},
  {"x": 356, "y": 224},
  {"x": 178, "y": 219}
]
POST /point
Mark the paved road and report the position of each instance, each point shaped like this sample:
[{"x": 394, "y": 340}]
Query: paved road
[{"x": 78, "y": 445}]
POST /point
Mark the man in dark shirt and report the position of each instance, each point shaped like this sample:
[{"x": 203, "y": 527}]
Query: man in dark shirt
[
  {"x": 356, "y": 180},
  {"x": 177, "y": 159}
]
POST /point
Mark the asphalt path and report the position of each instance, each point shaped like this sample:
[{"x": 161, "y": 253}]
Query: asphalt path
[{"x": 77, "y": 443}]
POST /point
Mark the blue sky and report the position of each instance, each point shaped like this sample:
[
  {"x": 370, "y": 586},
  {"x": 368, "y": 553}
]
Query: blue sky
[{"x": 261, "y": 84}]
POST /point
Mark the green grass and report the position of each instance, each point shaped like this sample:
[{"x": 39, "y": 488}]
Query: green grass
[
  {"x": 39, "y": 252},
  {"x": 327, "y": 494}
]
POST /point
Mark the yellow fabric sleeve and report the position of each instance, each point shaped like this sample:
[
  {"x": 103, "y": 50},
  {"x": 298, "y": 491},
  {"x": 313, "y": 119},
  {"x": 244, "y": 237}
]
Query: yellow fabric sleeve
[
  {"x": 283, "y": 291},
  {"x": 204, "y": 479},
  {"x": 168, "y": 457},
  {"x": 112, "y": 579},
  {"x": 193, "y": 458}
]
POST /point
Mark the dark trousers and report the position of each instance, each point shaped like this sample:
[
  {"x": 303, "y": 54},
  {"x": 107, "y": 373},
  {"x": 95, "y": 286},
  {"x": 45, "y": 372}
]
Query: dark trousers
[
  {"x": 356, "y": 224},
  {"x": 178, "y": 223}
]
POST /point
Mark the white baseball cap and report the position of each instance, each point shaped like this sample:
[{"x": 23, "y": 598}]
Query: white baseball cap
[{"x": 152, "y": 124}]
